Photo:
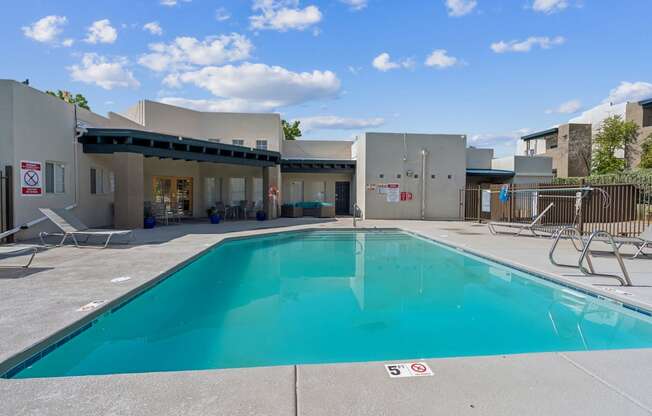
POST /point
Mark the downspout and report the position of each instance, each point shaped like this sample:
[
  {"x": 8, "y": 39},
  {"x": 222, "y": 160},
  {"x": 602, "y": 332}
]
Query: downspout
[
  {"x": 74, "y": 151},
  {"x": 424, "y": 155}
]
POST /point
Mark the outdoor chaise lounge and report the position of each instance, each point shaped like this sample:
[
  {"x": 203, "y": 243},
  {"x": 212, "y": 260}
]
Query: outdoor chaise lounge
[
  {"x": 17, "y": 250},
  {"x": 72, "y": 227},
  {"x": 642, "y": 241},
  {"x": 520, "y": 226}
]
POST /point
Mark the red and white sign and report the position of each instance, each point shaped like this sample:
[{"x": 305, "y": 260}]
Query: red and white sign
[
  {"x": 416, "y": 369},
  {"x": 31, "y": 178},
  {"x": 406, "y": 196}
]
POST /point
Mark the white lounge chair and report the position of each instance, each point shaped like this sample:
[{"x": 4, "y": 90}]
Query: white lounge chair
[
  {"x": 17, "y": 250},
  {"x": 72, "y": 227},
  {"x": 641, "y": 241},
  {"x": 520, "y": 226}
]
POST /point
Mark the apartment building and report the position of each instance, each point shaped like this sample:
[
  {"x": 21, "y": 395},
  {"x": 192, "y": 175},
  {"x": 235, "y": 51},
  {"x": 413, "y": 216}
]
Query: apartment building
[
  {"x": 109, "y": 168},
  {"x": 568, "y": 145},
  {"x": 641, "y": 114}
]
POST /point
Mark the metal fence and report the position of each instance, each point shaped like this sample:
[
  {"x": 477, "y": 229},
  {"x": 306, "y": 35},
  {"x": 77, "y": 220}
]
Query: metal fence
[{"x": 622, "y": 209}]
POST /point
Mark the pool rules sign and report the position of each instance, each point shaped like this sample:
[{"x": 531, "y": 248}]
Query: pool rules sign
[{"x": 31, "y": 178}]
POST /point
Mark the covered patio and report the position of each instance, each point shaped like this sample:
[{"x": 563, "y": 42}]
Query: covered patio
[{"x": 180, "y": 177}]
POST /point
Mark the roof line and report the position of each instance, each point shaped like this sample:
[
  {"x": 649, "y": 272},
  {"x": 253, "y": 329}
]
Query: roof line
[{"x": 540, "y": 134}]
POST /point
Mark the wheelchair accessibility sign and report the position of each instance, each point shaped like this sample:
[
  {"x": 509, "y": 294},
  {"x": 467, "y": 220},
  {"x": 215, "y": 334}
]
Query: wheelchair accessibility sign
[
  {"x": 31, "y": 178},
  {"x": 415, "y": 369}
]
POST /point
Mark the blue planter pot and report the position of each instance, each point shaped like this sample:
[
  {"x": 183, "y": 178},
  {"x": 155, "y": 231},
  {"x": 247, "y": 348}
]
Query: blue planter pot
[
  {"x": 215, "y": 219},
  {"x": 150, "y": 222},
  {"x": 261, "y": 216}
]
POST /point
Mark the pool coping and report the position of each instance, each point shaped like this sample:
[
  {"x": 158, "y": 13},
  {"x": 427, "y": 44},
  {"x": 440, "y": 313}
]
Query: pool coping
[{"x": 33, "y": 353}]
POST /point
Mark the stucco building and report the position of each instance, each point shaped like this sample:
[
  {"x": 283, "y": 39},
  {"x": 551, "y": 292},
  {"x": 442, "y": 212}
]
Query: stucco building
[{"x": 108, "y": 169}]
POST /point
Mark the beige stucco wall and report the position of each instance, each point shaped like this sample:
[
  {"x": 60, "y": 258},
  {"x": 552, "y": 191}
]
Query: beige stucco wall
[
  {"x": 387, "y": 154},
  {"x": 635, "y": 112},
  {"x": 179, "y": 121},
  {"x": 527, "y": 169},
  {"x": 40, "y": 127},
  {"x": 317, "y": 149},
  {"x": 479, "y": 158}
]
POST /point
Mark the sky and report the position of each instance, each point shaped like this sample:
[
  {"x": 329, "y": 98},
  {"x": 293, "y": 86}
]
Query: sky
[{"x": 491, "y": 69}]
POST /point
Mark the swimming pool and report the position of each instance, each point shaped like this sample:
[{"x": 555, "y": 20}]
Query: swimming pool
[{"x": 338, "y": 296}]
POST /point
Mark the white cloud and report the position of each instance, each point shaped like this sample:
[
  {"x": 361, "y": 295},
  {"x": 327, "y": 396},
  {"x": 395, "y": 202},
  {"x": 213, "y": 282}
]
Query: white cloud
[
  {"x": 339, "y": 123},
  {"x": 68, "y": 42},
  {"x": 439, "y": 58},
  {"x": 101, "y": 31},
  {"x": 549, "y": 6},
  {"x": 283, "y": 15},
  {"x": 222, "y": 14},
  {"x": 544, "y": 42},
  {"x": 154, "y": 28},
  {"x": 568, "y": 107},
  {"x": 458, "y": 8},
  {"x": 46, "y": 30},
  {"x": 384, "y": 63},
  {"x": 186, "y": 52},
  {"x": 260, "y": 86},
  {"x": 629, "y": 91},
  {"x": 355, "y": 70},
  {"x": 101, "y": 71},
  {"x": 171, "y": 3},
  {"x": 356, "y": 4}
]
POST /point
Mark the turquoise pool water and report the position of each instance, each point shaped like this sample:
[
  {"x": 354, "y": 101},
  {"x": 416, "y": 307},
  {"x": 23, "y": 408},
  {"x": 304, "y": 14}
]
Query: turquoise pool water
[{"x": 327, "y": 297}]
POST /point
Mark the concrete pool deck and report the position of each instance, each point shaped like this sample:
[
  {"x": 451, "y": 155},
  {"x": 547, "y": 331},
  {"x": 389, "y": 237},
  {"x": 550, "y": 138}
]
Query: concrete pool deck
[{"x": 44, "y": 301}]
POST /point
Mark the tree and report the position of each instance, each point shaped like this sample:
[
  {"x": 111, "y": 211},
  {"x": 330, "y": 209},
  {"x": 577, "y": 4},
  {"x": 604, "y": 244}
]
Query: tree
[
  {"x": 614, "y": 134},
  {"x": 646, "y": 153},
  {"x": 291, "y": 130},
  {"x": 67, "y": 96}
]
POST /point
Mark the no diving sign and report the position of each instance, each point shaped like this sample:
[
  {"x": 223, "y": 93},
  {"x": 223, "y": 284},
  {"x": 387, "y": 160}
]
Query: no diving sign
[
  {"x": 416, "y": 369},
  {"x": 31, "y": 178}
]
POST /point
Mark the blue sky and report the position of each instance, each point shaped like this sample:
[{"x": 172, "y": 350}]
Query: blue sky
[{"x": 491, "y": 69}]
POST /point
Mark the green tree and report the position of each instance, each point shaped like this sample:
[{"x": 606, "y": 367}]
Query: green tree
[
  {"x": 646, "y": 153},
  {"x": 614, "y": 134},
  {"x": 291, "y": 130},
  {"x": 67, "y": 96}
]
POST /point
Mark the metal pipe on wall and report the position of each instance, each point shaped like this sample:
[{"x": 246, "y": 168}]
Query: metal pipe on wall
[{"x": 424, "y": 155}]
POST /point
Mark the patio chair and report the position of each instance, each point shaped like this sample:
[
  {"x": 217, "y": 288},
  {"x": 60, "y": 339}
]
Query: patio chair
[
  {"x": 520, "y": 226},
  {"x": 72, "y": 227},
  {"x": 220, "y": 208},
  {"x": 18, "y": 250}
]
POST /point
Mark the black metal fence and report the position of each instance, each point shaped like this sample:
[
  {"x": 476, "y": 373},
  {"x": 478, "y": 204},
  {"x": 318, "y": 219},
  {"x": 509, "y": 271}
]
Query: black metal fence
[{"x": 622, "y": 209}]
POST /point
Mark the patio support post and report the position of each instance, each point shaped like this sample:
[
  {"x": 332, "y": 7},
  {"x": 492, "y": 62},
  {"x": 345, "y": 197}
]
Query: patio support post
[{"x": 128, "y": 199}]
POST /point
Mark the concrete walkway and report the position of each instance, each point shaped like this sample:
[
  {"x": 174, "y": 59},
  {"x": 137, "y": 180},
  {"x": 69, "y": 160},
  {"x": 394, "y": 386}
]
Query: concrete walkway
[{"x": 46, "y": 299}]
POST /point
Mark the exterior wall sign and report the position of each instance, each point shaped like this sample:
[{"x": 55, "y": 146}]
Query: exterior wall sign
[
  {"x": 406, "y": 196},
  {"x": 416, "y": 369},
  {"x": 31, "y": 178},
  {"x": 393, "y": 192},
  {"x": 486, "y": 200}
]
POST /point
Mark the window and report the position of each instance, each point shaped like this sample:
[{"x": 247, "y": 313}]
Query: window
[
  {"x": 55, "y": 178},
  {"x": 238, "y": 142},
  {"x": 100, "y": 183},
  {"x": 212, "y": 191},
  {"x": 237, "y": 190},
  {"x": 258, "y": 191},
  {"x": 261, "y": 144},
  {"x": 296, "y": 191},
  {"x": 93, "y": 181},
  {"x": 318, "y": 191}
]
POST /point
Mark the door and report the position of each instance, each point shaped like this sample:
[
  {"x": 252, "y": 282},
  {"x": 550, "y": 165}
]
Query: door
[
  {"x": 342, "y": 198},
  {"x": 174, "y": 193}
]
